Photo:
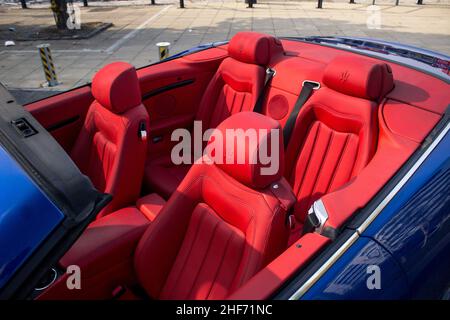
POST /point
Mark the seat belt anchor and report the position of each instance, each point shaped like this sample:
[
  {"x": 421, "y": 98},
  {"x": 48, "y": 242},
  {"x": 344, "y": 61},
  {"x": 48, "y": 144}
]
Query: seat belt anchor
[
  {"x": 142, "y": 131},
  {"x": 317, "y": 216}
]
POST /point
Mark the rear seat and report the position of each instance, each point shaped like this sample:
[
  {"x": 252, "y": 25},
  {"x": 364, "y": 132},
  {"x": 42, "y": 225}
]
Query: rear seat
[
  {"x": 235, "y": 87},
  {"x": 335, "y": 134}
]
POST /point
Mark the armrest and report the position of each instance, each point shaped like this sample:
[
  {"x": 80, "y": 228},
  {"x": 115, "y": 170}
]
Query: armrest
[{"x": 107, "y": 242}]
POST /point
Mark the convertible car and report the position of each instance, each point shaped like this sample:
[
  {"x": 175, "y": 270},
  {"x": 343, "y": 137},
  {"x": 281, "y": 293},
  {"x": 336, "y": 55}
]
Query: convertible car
[{"x": 93, "y": 205}]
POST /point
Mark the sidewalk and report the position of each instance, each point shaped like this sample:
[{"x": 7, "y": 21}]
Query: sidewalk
[{"x": 137, "y": 28}]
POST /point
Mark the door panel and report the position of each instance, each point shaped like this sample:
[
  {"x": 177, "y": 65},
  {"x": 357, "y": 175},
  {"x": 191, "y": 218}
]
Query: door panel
[
  {"x": 171, "y": 93},
  {"x": 63, "y": 115}
]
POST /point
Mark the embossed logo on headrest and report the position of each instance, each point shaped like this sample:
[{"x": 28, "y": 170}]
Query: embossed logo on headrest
[
  {"x": 344, "y": 76},
  {"x": 241, "y": 47}
]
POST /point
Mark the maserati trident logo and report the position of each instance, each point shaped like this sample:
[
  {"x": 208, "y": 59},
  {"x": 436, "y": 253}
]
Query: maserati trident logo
[{"x": 344, "y": 76}]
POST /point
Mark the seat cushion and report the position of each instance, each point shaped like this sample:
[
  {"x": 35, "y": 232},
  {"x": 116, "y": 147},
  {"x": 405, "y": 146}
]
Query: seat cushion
[
  {"x": 163, "y": 177},
  {"x": 150, "y": 205}
]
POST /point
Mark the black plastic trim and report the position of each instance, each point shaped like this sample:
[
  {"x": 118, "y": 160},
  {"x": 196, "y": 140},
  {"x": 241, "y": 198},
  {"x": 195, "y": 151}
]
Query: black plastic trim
[
  {"x": 49, "y": 166},
  {"x": 169, "y": 87}
]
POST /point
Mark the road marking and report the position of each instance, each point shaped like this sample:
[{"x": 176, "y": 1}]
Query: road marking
[
  {"x": 109, "y": 50},
  {"x": 132, "y": 33}
]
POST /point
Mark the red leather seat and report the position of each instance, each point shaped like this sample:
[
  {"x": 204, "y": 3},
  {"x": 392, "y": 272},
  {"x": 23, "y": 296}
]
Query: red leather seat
[
  {"x": 335, "y": 134},
  {"x": 223, "y": 224},
  {"x": 235, "y": 87},
  {"x": 109, "y": 148}
]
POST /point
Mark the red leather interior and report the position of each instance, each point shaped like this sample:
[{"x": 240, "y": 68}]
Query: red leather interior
[
  {"x": 254, "y": 47},
  {"x": 359, "y": 77},
  {"x": 150, "y": 205},
  {"x": 63, "y": 115},
  {"x": 109, "y": 149},
  {"x": 248, "y": 171},
  {"x": 104, "y": 254},
  {"x": 335, "y": 134},
  {"x": 221, "y": 231},
  {"x": 235, "y": 87},
  {"x": 176, "y": 107},
  {"x": 208, "y": 241}
]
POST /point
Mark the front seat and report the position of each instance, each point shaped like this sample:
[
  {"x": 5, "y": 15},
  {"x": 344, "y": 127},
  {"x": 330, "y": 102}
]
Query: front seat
[
  {"x": 235, "y": 87},
  {"x": 111, "y": 147},
  {"x": 221, "y": 226}
]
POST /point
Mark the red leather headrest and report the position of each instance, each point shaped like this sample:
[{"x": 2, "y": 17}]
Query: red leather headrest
[
  {"x": 254, "y": 47},
  {"x": 242, "y": 155},
  {"x": 116, "y": 87},
  {"x": 359, "y": 77}
]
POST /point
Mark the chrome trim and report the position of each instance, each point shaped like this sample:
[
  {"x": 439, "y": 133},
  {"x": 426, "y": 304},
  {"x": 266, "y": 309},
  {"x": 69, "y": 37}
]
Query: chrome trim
[
  {"x": 270, "y": 70},
  {"x": 317, "y": 84},
  {"x": 55, "y": 275},
  {"x": 318, "y": 208},
  {"x": 324, "y": 268},
  {"x": 316, "y": 276}
]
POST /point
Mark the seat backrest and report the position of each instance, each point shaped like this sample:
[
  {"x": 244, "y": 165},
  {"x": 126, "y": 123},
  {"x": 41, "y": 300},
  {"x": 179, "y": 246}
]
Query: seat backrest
[
  {"x": 237, "y": 83},
  {"x": 336, "y": 131},
  {"x": 221, "y": 226},
  {"x": 109, "y": 148}
]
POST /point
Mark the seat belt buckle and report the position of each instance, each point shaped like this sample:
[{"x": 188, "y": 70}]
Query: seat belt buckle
[
  {"x": 317, "y": 216},
  {"x": 118, "y": 292},
  {"x": 142, "y": 131},
  {"x": 291, "y": 222}
]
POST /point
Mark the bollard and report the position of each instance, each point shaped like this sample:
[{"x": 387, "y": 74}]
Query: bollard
[
  {"x": 319, "y": 4},
  {"x": 24, "y": 4},
  {"x": 397, "y": 2},
  {"x": 420, "y": 2},
  {"x": 250, "y": 3},
  {"x": 47, "y": 64},
  {"x": 153, "y": 2},
  {"x": 163, "y": 48},
  {"x": 352, "y": 2},
  {"x": 182, "y": 4},
  {"x": 85, "y": 3}
]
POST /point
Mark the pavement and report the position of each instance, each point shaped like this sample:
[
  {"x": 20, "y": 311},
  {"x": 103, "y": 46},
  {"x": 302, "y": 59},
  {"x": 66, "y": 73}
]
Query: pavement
[{"x": 138, "y": 26}]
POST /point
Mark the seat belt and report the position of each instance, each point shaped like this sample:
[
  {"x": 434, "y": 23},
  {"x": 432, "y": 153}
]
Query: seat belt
[
  {"x": 259, "y": 102},
  {"x": 305, "y": 93},
  {"x": 311, "y": 223}
]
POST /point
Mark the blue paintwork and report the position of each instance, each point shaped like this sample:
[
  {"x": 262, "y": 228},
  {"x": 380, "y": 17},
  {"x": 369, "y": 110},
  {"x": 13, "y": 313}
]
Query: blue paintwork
[
  {"x": 409, "y": 240},
  {"x": 347, "y": 278},
  {"x": 27, "y": 216}
]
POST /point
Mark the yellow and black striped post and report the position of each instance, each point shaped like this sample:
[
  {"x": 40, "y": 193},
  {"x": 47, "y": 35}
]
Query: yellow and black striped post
[
  {"x": 47, "y": 64},
  {"x": 163, "y": 48}
]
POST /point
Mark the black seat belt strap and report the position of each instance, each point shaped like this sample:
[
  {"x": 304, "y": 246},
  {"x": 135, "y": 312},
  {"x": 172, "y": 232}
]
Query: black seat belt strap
[
  {"x": 259, "y": 102},
  {"x": 305, "y": 93}
]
